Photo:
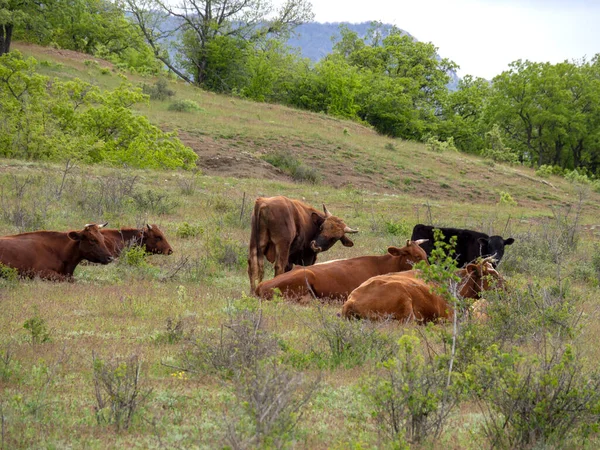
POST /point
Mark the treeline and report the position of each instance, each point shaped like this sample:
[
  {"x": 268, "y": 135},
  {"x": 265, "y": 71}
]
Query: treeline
[{"x": 538, "y": 114}]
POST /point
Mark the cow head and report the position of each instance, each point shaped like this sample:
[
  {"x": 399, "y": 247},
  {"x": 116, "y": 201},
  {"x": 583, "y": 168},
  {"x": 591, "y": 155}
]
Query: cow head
[
  {"x": 411, "y": 254},
  {"x": 479, "y": 277},
  {"x": 331, "y": 229},
  {"x": 91, "y": 243},
  {"x": 155, "y": 241},
  {"x": 494, "y": 245}
]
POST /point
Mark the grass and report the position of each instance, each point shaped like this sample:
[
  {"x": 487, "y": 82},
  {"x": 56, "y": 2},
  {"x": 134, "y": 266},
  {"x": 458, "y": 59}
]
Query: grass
[{"x": 116, "y": 310}]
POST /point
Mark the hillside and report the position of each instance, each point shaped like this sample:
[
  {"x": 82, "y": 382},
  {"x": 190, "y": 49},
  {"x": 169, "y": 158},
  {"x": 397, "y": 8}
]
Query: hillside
[{"x": 232, "y": 136}]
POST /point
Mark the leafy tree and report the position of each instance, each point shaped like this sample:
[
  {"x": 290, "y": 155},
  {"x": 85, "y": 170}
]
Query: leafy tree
[
  {"x": 197, "y": 24},
  {"x": 18, "y": 13}
]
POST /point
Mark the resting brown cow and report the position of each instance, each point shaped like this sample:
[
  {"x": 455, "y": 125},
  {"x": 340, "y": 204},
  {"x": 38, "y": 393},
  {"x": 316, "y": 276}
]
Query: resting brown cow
[
  {"x": 336, "y": 279},
  {"x": 150, "y": 236},
  {"x": 404, "y": 296},
  {"x": 289, "y": 232},
  {"x": 51, "y": 254}
]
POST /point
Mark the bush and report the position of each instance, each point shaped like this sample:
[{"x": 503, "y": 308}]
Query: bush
[
  {"x": 506, "y": 199},
  {"x": 540, "y": 401},
  {"x": 435, "y": 145},
  {"x": 185, "y": 230},
  {"x": 134, "y": 256},
  {"x": 400, "y": 228},
  {"x": 410, "y": 397},
  {"x": 495, "y": 148},
  {"x": 185, "y": 106},
  {"x": 38, "y": 330},
  {"x": 159, "y": 91},
  {"x": 119, "y": 395},
  {"x": 56, "y": 120},
  {"x": 545, "y": 170}
]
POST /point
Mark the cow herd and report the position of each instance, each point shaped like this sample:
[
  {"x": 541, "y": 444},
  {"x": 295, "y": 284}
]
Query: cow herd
[
  {"x": 54, "y": 255},
  {"x": 290, "y": 234}
]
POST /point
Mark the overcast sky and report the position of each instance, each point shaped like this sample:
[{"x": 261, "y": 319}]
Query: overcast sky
[{"x": 484, "y": 36}]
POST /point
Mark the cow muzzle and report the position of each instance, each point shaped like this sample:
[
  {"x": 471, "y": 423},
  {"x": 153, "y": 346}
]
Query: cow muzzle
[{"x": 314, "y": 247}]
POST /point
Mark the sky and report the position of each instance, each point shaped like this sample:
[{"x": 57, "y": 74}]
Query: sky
[{"x": 483, "y": 36}]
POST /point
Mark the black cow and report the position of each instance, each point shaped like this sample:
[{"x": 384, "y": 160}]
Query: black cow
[{"x": 469, "y": 244}]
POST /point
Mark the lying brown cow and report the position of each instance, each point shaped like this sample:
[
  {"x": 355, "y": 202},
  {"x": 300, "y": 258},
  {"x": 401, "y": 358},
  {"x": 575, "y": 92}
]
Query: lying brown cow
[
  {"x": 403, "y": 296},
  {"x": 150, "y": 236},
  {"x": 51, "y": 254},
  {"x": 336, "y": 279},
  {"x": 289, "y": 232}
]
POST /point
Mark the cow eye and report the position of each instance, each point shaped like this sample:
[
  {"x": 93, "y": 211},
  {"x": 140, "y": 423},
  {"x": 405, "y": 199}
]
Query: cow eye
[{"x": 159, "y": 238}]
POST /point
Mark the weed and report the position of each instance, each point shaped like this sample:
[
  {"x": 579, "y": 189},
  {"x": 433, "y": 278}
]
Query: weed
[
  {"x": 596, "y": 261},
  {"x": 399, "y": 228},
  {"x": 390, "y": 146},
  {"x": 118, "y": 390},
  {"x": 185, "y": 105},
  {"x": 291, "y": 165},
  {"x": 154, "y": 202},
  {"x": 133, "y": 256},
  {"x": 9, "y": 276},
  {"x": 38, "y": 330},
  {"x": 506, "y": 199},
  {"x": 174, "y": 332}
]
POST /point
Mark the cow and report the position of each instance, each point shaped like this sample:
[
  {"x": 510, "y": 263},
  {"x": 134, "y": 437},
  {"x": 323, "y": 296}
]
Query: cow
[
  {"x": 404, "y": 296},
  {"x": 336, "y": 279},
  {"x": 150, "y": 237},
  {"x": 53, "y": 255},
  {"x": 470, "y": 245},
  {"x": 289, "y": 232}
]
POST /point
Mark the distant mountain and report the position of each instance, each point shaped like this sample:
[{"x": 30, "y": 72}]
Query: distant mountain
[{"x": 315, "y": 40}]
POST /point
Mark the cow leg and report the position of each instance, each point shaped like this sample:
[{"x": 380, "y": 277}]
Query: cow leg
[
  {"x": 53, "y": 276},
  {"x": 282, "y": 255}
]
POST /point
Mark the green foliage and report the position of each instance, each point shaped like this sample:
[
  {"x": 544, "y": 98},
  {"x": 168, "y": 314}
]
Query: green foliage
[
  {"x": 74, "y": 120},
  {"x": 495, "y": 148},
  {"x": 118, "y": 390},
  {"x": 410, "y": 396},
  {"x": 542, "y": 400},
  {"x": 506, "y": 199},
  {"x": 435, "y": 145},
  {"x": 38, "y": 330},
  {"x": 185, "y": 230},
  {"x": 159, "y": 90},
  {"x": 134, "y": 256},
  {"x": 9, "y": 276},
  {"x": 596, "y": 260},
  {"x": 173, "y": 334},
  {"x": 293, "y": 166},
  {"x": 398, "y": 228},
  {"x": 545, "y": 170},
  {"x": 154, "y": 201},
  {"x": 185, "y": 105}
]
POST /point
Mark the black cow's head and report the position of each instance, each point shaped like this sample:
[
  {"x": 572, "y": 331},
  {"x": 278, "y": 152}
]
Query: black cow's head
[
  {"x": 331, "y": 230},
  {"x": 494, "y": 246}
]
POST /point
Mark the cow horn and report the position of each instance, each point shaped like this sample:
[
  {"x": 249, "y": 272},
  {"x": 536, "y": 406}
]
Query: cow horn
[
  {"x": 149, "y": 226},
  {"x": 102, "y": 225},
  {"x": 420, "y": 241},
  {"x": 491, "y": 258},
  {"x": 350, "y": 230},
  {"x": 327, "y": 213}
]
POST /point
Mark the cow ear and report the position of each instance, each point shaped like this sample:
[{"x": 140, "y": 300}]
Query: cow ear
[
  {"x": 317, "y": 219},
  {"x": 471, "y": 268},
  {"x": 483, "y": 241},
  {"x": 395, "y": 251},
  {"x": 508, "y": 241},
  {"x": 346, "y": 242},
  {"x": 74, "y": 235}
]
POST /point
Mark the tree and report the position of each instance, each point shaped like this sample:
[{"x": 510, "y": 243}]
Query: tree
[
  {"x": 194, "y": 25},
  {"x": 15, "y": 13}
]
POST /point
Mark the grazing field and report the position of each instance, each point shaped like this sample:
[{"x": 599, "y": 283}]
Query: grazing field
[{"x": 218, "y": 368}]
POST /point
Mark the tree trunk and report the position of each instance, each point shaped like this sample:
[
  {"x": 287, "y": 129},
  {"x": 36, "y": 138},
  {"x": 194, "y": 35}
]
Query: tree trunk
[{"x": 5, "y": 37}]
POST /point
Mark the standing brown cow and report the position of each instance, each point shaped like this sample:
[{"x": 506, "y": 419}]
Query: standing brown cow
[
  {"x": 403, "y": 296},
  {"x": 51, "y": 254},
  {"x": 336, "y": 279},
  {"x": 150, "y": 236},
  {"x": 289, "y": 232}
]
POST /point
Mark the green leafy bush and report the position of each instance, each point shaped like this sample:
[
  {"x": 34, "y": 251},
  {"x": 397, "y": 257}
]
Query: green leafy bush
[
  {"x": 506, "y": 199},
  {"x": 185, "y": 106},
  {"x": 159, "y": 91},
  {"x": 435, "y": 145},
  {"x": 53, "y": 120},
  {"x": 293, "y": 166},
  {"x": 399, "y": 228},
  {"x": 185, "y": 230},
  {"x": 495, "y": 148},
  {"x": 38, "y": 330}
]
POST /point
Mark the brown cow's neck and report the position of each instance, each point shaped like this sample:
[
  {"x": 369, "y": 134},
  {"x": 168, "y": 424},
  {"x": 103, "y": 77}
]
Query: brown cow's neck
[
  {"x": 68, "y": 252},
  {"x": 131, "y": 233}
]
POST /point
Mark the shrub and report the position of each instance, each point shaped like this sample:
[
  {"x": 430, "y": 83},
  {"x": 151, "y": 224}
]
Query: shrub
[
  {"x": 399, "y": 228},
  {"x": 185, "y": 105},
  {"x": 174, "y": 332},
  {"x": 495, "y": 148},
  {"x": 118, "y": 390},
  {"x": 596, "y": 260},
  {"x": 410, "y": 397},
  {"x": 435, "y": 145},
  {"x": 154, "y": 202},
  {"x": 185, "y": 230},
  {"x": 535, "y": 401},
  {"x": 545, "y": 170},
  {"x": 133, "y": 256},
  {"x": 506, "y": 199},
  {"x": 38, "y": 330},
  {"x": 159, "y": 91},
  {"x": 9, "y": 276}
]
